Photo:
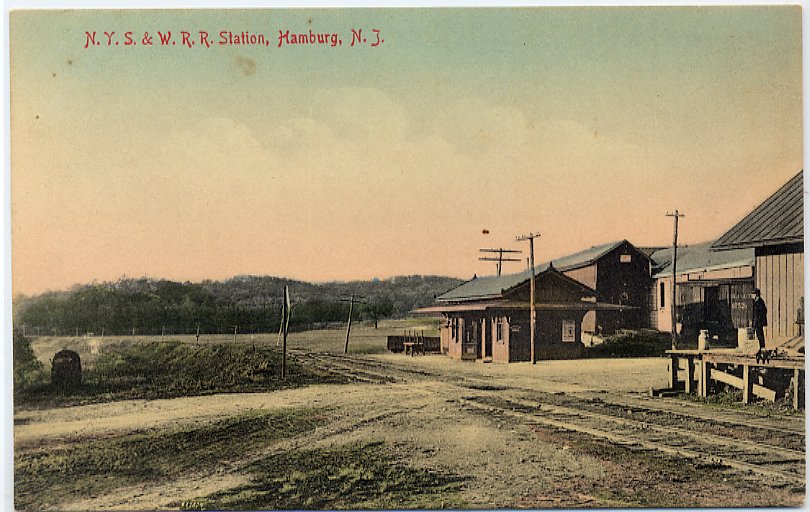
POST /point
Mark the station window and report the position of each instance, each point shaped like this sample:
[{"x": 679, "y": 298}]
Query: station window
[
  {"x": 499, "y": 329},
  {"x": 626, "y": 258}
]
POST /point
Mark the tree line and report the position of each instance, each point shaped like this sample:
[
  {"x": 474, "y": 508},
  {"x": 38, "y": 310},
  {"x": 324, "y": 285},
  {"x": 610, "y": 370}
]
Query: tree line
[{"x": 252, "y": 303}]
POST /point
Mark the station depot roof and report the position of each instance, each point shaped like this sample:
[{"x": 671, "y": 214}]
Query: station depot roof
[
  {"x": 494, "y": 287},
  {"x": 487, "y": 287},
  {"x": 491, "y": 293},
  {"x": 502, "y": 305}
]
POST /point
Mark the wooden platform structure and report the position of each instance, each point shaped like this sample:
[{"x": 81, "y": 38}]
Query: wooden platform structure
[
  {"x": 414, "y": 342},
  {"x": 703, "y": 369}
]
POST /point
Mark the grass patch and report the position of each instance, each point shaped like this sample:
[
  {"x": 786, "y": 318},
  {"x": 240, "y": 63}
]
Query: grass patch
[
  {"x": 364, "y": 339},
  {"x": 732, "y": 399},
  {"x": 170, "y": 369},
  {"x": 352, "y": 476},
  {"x": 47, "y": 479}
]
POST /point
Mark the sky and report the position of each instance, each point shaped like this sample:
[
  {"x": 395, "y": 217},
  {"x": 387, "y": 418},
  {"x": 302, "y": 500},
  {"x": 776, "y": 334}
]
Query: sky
[{"x": 463, "y": 129}]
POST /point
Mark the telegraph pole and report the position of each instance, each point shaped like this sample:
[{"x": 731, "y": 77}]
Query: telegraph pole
[
  {"x": 500, "y": 259},
  {"x": 351, "y": 300},
  {"x": 675, "y": 217},
  {"x": 285, "y": 323},
  {"x": 532, "y": 314}
]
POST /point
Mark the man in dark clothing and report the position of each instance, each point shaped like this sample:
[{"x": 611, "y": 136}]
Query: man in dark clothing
[{"x": 760, "y": 318}]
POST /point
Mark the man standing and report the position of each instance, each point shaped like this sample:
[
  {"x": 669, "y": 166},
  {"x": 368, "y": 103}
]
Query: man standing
[{"x": 760, "y": 318}]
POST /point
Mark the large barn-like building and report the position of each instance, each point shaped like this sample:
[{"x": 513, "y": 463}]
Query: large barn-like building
[
  {"x": 775, "y": 231},
  {"x": 620, "y": 274}
]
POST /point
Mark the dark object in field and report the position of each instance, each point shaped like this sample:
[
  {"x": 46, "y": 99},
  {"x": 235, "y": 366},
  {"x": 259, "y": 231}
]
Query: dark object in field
[{"x": 66, "y": 369}]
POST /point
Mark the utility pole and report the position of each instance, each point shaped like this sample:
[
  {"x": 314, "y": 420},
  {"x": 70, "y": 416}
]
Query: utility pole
[
  {"x": 198, "y": 333},
  {"x": 532, "y": 312},
  {"x": 500, "y": 259},
  {"x": 351, "y": 301},
  {"x": 285, "y": 322},
  {"x": 280, "y": 325},
  {"x": 675, "y": 217},
  {"x": 234, "y": 333}
]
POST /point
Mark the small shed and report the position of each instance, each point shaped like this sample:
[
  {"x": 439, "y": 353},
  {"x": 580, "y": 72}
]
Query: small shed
[{"x": 488, "y": 318}]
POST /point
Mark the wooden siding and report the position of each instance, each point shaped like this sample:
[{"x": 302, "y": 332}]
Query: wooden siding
[
  {"x": 623, "y": 283},
  {"x": 586, "y": 276},
  {"x": 780, "y": 278},
  {"x": 733, "y": 300},
  {"x": 444, "y": 335},
  {"x": 617, "y": 282},
  {"x": 653, "y": 302}
]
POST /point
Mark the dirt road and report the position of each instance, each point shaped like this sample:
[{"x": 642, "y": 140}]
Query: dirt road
[{"x": 561, "y": 433}]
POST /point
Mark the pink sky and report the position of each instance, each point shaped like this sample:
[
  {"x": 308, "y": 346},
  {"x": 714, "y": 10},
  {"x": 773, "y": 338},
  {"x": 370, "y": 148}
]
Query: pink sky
[{"x": 587, "y": 125}]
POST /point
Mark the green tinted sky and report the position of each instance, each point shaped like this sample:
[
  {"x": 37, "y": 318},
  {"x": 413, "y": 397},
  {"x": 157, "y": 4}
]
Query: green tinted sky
[{"x": 586, "y": 124}]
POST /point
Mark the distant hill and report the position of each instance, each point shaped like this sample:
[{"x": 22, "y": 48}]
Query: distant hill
[{"x": 148, "y": 306}]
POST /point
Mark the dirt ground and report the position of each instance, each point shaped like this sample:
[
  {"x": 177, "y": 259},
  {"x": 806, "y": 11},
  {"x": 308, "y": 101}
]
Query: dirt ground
[{"x": 509, "y": 464}]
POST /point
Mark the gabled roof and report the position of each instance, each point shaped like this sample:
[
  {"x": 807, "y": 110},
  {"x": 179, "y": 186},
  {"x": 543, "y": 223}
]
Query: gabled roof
[
  {"x": 699, "y": 257},
  {"x": 518, "y": 306},
  {"x": 778, "y": 220},
  {"x": 487, "y": 287},
  {"x": 490, "y": 287},
  {"x": 587, "y": 256},
  {"x": 494, "y": 287}
]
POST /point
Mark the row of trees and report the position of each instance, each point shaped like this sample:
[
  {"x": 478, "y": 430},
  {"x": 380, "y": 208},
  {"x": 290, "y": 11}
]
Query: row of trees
[{"x": 147, "y": 306}]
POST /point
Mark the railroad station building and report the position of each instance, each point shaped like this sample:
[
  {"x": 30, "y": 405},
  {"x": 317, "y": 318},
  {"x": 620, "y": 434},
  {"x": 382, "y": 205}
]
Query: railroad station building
[{"x": 488, "y": 318}]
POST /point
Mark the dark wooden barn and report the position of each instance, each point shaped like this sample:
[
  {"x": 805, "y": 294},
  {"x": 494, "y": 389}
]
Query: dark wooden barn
[
  {"x": 775, "y": 231},
  {"x": 488, "y": 318},
  {"x": 620, "y": 274}
]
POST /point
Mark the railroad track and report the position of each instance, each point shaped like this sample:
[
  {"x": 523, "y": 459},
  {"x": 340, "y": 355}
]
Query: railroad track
[
  {"x": 327, "y": 363},
  {"x": 770, "y": 449},
  {"x": 773, "y": 465}
]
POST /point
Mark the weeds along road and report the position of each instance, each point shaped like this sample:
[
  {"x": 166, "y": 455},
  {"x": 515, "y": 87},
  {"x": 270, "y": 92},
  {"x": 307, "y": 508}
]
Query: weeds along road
[{"x": 520, "y": 436}]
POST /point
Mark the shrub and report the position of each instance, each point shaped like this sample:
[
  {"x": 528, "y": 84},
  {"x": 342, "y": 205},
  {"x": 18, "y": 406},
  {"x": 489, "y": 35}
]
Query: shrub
[
  {"x": 627, "y": 343},
  {"x": 28, "y": 370}
]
